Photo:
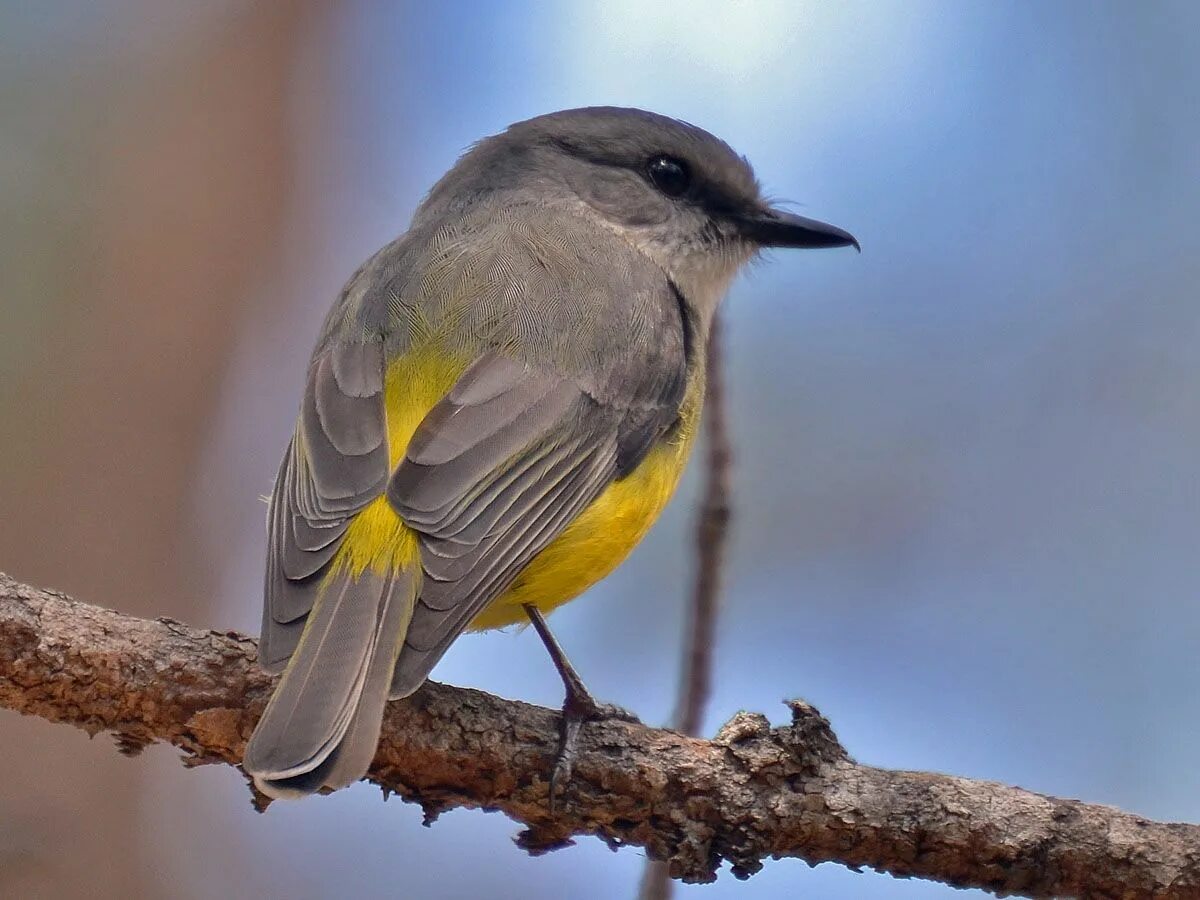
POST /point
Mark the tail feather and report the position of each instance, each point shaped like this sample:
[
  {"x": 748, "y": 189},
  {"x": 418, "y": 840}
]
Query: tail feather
[
  {"x": 322, "y": 725},
  {"x": 350, "y": 761}
]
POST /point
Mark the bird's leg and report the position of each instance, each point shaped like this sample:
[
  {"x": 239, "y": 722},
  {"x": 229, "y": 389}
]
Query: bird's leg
[{"x": 578, "y": 707}]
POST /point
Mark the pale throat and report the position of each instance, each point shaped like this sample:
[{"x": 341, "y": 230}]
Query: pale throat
[{"x": 701, "y": 271}]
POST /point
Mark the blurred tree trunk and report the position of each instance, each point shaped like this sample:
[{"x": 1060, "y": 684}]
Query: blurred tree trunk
[{"x": 165, "y": 189}]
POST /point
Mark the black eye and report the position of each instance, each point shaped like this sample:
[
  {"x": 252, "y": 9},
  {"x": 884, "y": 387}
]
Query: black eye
[{"x": 669, "y": 175}]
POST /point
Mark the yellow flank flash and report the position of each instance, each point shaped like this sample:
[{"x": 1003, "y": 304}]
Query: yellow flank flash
[{"x": 377, "y": 538}]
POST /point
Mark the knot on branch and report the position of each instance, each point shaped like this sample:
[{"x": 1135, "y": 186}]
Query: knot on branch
[
  {"x": 808, "y": 740},
  {"x": 811, "y": 736}
]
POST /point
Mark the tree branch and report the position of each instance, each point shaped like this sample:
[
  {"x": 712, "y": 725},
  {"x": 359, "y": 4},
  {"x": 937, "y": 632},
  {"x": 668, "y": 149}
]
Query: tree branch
[{"x": 752, "y": 792}]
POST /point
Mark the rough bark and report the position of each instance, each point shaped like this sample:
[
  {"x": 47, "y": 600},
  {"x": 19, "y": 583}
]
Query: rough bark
[{"x": 752, "y": 792}]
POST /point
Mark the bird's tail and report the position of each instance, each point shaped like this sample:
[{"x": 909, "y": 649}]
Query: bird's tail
[{"x": 322, "y": 725}]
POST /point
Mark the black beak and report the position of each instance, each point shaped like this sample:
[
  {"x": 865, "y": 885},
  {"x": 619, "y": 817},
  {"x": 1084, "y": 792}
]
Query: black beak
[{"x": 776, "y": 228}]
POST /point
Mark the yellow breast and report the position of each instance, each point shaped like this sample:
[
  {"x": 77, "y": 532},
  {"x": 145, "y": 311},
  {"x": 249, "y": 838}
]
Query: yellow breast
[{"x": 588, "y": 549}]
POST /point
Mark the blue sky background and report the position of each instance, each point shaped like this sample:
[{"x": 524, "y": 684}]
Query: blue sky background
[{"x": 966, "y": 460}]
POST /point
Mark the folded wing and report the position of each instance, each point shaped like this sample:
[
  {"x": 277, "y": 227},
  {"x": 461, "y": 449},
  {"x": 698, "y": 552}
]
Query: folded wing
[{"x": 494, "y": 473}]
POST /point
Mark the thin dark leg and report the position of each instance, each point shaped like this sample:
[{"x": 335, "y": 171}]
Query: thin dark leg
[{"x": 578, "y": 707}]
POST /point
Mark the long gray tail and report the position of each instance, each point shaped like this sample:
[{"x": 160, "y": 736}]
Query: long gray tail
[{"x": 322, "y": 725}]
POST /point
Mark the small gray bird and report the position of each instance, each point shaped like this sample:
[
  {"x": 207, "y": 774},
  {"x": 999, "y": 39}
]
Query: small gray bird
[{"x": 499, "y": 406}]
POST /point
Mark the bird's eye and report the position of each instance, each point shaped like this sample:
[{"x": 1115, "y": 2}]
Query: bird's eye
[{"x": 669, "y": 175}]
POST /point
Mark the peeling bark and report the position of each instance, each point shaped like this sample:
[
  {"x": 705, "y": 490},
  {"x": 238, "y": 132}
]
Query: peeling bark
[{"x": 751, "y": 793}]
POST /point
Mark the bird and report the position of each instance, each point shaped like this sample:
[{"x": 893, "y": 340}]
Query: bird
[{"x": 499, "y": 405}]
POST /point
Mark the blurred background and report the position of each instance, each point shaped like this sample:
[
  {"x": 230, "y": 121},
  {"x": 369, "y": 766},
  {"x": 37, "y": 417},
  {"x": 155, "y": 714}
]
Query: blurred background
[{"x": 966, "y": 461}]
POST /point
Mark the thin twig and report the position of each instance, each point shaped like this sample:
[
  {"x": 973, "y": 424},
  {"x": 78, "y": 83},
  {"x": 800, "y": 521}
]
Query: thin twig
[
  {"x": 695, "y": 683},
  {"x": 711, "y": 538}
]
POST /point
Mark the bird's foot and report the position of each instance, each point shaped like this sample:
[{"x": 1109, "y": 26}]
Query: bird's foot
[{"x": 579, "y": 708}]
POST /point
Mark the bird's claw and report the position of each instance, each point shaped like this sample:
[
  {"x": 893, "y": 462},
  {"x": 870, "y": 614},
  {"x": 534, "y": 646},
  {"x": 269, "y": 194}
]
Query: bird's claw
[{"x": 578, "y": 710}]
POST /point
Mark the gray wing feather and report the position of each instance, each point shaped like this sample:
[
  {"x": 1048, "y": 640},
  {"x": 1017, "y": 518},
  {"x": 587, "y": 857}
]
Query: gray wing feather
[
  {"x": 458, "y": 447},
  {"x": 335, "y": 464},
  {"x": 306, "y": 544},
  {"x": 343, "y": 461},
  {"x": 347, "y": 421},
  {"x": 358, "y": 367},
  {"x": 279, "y": 634},
  {"x": 480, "y": 517},
  {"x": 542, "y": 523},
  {"x": 500, "y": 555}
]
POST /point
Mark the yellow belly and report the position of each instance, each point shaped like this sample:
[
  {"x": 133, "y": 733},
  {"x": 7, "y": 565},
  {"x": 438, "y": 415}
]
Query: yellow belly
[{"x": 587, "y": 550}]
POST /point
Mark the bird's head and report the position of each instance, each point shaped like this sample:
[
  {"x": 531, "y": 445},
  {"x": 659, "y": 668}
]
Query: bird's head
[{"x": 675, "y": 192}]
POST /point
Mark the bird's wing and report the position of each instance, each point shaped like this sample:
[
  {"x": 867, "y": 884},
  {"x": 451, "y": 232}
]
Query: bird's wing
[
  {"x": 335, "y": 464},
  {"x": 493, "y": 474}
]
